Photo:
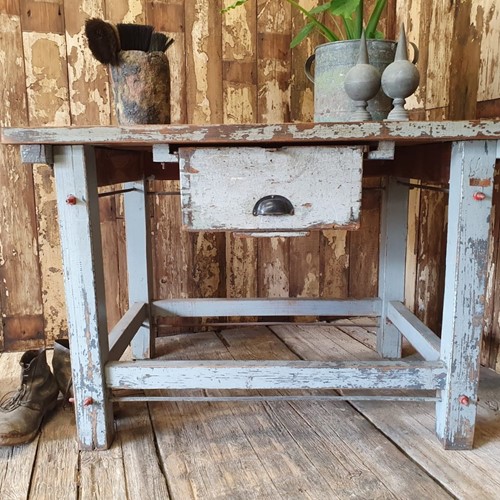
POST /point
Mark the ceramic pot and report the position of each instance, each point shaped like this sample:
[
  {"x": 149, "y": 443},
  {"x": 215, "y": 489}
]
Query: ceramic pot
[{"x": 141, "y": 88}]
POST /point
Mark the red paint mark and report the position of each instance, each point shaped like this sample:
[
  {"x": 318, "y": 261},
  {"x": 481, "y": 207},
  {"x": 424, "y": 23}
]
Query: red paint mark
[
  {"x": 71, "y": 199},
  {"x": 464, "y": 400},
  {"x": 88, "y": 401},
  {"x": 479, "y": 196}
]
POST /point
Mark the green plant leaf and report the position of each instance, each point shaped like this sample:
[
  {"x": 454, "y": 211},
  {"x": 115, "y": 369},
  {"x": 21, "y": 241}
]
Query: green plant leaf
[
  {"x": 234, "y": 5},
  {"x": 371, "y": 27},
  {"x": 349, "y": 28},
  {"x": 324, "y": 30},
  {"x": 343, "y": 8},
  {"x": 303, "y": 33},
  {"x": 321, "y": 8},
  {"x": 358, "y": 20}
]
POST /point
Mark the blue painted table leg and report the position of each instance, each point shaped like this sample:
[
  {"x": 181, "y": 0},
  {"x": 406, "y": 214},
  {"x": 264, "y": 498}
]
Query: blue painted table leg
[
  {"x": 138, "y": 236},
  {"x": 472, "y": 169},
  {"x": 78, "y": 209},
  {"x": 392, "y": 264}
]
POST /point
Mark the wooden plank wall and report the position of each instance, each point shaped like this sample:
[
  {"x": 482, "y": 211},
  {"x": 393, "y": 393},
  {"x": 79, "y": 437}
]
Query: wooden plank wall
[{"x": 231, "y": 68}]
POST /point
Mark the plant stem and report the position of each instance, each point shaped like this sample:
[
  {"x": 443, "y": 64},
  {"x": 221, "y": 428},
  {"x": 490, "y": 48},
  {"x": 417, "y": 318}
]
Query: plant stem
[
  {"x": 325, "y": 31},
  {"x": 358, "y": 29}
]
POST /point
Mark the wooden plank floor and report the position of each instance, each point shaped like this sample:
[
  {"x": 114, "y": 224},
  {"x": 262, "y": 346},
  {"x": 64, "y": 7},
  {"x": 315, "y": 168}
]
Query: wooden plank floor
[{"x": 259, "y": 450}]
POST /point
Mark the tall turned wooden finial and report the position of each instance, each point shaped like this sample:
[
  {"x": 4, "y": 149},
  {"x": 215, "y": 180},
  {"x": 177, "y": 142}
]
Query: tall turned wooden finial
[{"x": 400, "y": 79}]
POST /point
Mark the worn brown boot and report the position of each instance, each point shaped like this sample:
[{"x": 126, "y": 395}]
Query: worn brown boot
[
  {"x": 61, "y": 364},
  {"x": 21, "y": 412}
]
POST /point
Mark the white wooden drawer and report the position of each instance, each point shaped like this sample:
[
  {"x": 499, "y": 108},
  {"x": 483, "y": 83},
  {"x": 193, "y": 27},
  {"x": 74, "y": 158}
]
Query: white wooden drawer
[{"x": 220, "y": 187}]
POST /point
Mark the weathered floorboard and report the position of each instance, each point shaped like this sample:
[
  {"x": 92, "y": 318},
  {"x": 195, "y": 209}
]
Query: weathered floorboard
[
  {"x": 258, "y": 450},
  {"x": 411, "y": 426}
]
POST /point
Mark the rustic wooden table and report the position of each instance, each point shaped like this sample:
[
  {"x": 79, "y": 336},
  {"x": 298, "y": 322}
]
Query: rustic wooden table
[{"x": 287, "y": 154}]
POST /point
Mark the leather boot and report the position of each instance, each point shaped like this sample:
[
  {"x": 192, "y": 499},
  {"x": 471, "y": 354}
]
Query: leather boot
[
  {"x": 61, "y": 364},
  {"x": 21, "y": 412}
]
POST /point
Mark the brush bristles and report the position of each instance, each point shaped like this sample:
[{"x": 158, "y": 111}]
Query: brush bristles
[
  {"x": 135, "y": 36},
  {"x": 159, "y": 42},
  {"x": 103, "y": 39}
]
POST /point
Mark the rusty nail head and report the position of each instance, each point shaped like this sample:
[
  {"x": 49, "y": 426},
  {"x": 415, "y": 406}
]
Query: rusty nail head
[
  {"x": 464, "y": 400},
  {"x": 71, "y": 199},
  {"x": 88, "y": 401},
  {"x": 478, "y": 196}
]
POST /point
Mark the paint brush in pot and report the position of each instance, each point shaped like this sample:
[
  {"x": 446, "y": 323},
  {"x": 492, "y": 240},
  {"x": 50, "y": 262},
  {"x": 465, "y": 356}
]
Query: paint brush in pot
[
  {"x": 135, "y": 36},
  {"x": 104, "y": 40},
  {"x": 160, "y": 42}
]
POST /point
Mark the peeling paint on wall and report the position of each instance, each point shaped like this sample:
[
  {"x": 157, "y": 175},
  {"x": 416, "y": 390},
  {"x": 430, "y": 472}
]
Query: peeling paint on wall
[{"x": 46, "y": 80}]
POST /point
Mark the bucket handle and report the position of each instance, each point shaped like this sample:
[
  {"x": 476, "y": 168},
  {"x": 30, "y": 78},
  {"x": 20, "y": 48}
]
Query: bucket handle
[
  {"x": 416, "y": 53},
  {"x": 308, "y": 65},
  {"x": 312, "y": 57}
]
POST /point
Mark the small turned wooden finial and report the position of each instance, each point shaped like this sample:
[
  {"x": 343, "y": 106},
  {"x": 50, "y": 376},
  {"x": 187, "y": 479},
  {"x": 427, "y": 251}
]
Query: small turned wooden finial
[{"x": 362, "y": 83}]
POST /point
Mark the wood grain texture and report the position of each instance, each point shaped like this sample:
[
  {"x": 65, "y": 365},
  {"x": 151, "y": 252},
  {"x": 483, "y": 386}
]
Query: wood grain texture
[
  {"x": 490, "y": 344},
  {"x": 171, "y": 246},
  {"x": 363, "y": 244},
  {"x": 418, "y": 132},
  {"x": 305, "y": 257},
  {"x": 413, "y": 424},
  {"x": 466, "y": 274},
  {"x": 20, "y": 288},
  {"x": 261, "y": 449},
  {"x": 239, "y": 68},
  {"x": 273, "y": 450},
  {"x": 102, "y": 473},
  {"x": 334, "y": 264},
  {"x": 48, "y": 104},
  {"x": 204, "y": 97},
  {"x": 239, "y": 35},
  {"x": 274, "y": 71},
  {"x": 144, "y": 475},
  {"x": 431, "y": 235},
  {"x": 90, "y": 102},
  {"x": 485, "y": 16},
  {"x": 204, "y": 88},
  {"x": 57, "y": 458},
  {"x": 75, "y": 172}
]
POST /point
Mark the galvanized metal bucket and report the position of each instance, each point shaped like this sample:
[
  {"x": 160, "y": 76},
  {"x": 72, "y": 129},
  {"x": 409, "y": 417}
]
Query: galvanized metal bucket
[
  {"x": 332, "y": 61},
  {"x": 141, "y": 88}
]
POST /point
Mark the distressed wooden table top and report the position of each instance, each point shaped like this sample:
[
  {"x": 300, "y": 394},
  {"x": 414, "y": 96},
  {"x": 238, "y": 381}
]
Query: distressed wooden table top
[{"x": 400, "y": 132}]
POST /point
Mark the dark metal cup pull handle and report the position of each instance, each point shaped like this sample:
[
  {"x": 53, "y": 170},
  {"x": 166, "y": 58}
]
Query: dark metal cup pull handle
[{"x": 274, "y": 204}]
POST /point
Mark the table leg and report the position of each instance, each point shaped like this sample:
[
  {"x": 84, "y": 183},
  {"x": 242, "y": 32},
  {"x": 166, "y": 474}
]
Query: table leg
[
  {"x": 138, "y": 235},
  {"x": 78, "y": 209},
  {"x": 392, "y": 263},
  {"x": 469, "y": 211}
]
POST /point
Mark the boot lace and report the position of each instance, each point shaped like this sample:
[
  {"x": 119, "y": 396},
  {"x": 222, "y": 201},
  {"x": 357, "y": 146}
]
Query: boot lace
[{"x": 13, "y": 399}]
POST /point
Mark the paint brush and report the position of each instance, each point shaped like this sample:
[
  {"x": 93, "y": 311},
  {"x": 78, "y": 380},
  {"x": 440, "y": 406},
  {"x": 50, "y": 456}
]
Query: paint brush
[
  {"x": 104, "y": 40},
  {"x": 135, "y": 36},
  {"x": 159, "y": 42}
]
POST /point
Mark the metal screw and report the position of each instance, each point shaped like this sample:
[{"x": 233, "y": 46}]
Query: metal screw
[
  {"x": 479, "y": 196},
  {"x": 88, "y": 401},
  {"x": 71, "y": 199},
  {"x": 464, "y": 400}
]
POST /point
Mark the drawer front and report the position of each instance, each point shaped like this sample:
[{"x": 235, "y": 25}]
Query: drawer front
[{"x": 221, "y": 188}]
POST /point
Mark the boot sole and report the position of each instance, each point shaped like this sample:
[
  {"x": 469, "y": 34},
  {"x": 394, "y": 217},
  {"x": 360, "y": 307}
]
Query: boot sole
[{"x": 18, "y": 440}]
